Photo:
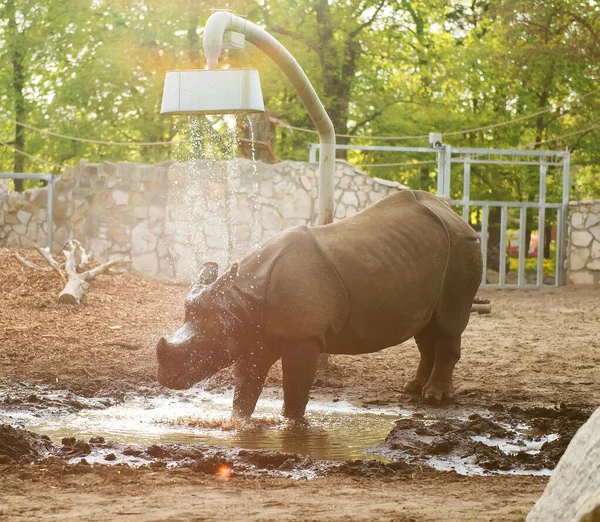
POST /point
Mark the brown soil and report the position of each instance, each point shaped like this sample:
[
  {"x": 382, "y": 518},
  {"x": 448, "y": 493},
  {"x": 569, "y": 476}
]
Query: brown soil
[
  {"x": 537, "y": 348},
  {"x": 58, "y": 492}
]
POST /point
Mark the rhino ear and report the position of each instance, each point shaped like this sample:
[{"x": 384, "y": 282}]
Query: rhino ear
[
  {"x": 227, "y": 277},
  {"x": 231, "y": 274},
  {"x": 208, "y": 274}
]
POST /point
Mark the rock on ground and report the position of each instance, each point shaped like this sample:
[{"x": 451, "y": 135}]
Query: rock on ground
[
  {"x": 21, "y": 445},
  {"x": 573, "y": 492}
]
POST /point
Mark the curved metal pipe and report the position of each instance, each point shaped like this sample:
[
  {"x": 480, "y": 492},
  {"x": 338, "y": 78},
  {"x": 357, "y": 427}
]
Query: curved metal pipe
[{"x": 214, "y": 30}]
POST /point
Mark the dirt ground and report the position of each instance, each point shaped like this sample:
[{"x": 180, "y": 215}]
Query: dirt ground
[{"x": 537, "y": 348}]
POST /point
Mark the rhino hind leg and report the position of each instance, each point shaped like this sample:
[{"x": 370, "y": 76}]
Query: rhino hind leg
[
  {"x": 451, "y": 316},
  {"x": 299, "y": 364},
  {"x": 439, "y": 385},
  {"x": 426, "y": 340},
  {"x": 439, "y": 355}
]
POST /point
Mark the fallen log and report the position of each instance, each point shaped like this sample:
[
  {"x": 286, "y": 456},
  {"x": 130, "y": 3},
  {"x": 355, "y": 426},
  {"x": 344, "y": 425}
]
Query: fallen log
[
  {"x": 481, "y": 305},
  {"x": 481, "y": 308},
  {"x": 75, "y": 277}
]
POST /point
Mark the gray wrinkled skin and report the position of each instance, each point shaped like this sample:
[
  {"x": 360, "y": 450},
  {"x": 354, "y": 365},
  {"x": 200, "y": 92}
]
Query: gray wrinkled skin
[{"x": 405, "y": 267}]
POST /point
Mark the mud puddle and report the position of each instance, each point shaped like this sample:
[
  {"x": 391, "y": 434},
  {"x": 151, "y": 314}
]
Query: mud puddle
[
  {"x": 335, "y": 431},
  {"x": 192, "y": 429}
]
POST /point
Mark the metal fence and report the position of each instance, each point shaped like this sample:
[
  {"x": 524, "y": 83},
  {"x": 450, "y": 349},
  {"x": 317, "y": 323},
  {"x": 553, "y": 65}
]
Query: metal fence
[
  {"x": 447, "y": 155},
  {"x": 49, "y": 178}
]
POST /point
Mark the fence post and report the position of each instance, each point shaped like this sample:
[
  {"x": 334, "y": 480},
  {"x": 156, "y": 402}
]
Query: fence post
[
  {"x": 561, "y": 233},
  {"x": 541, "y": 222},
  {"x": 440, "y": 172},
  {"x": 447, "y": 169},
  {"x": 466, "y": 188},
  {"x": 50, "y": 210}
]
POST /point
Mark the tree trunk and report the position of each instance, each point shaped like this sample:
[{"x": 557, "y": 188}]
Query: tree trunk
[
  {"x": 17, "y": 57},
  {"x": 493, "y": 243},
  {"x": 547, "y": 240},
  {"x": 192, "y": 33},
  {"x": 74, "y": 290},
  {"x": 263, "y": 134},
  {"x": 337, "y": 77}
]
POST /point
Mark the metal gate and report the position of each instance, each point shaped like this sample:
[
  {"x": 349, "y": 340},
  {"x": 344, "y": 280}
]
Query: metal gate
[{"x": 510, "y": 218}]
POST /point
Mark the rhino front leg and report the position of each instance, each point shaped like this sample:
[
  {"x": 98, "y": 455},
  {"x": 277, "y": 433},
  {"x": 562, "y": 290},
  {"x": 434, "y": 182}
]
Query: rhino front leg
[
  {"x": 299, "y": 363},
  {"x": 447, "y": 354},
  {"x": 250, "y": 374}
]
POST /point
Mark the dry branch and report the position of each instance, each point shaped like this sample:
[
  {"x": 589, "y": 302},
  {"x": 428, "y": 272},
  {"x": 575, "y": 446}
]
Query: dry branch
[
  {"x": 29, "y": 264},
  {"x": 45, "y": 253},
  {"x": 123, "y": 344},
  {"x": 107, "y": 266}
]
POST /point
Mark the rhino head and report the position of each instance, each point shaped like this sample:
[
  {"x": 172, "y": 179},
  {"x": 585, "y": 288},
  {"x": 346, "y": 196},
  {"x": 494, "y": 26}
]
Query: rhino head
[{"x": 205, "y": 343}]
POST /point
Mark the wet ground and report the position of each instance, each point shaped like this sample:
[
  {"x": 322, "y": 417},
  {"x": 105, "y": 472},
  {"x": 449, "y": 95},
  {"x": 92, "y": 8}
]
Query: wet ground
[
  {"x": 67, "y": 372},
  {"x": 192, "y": 429}
]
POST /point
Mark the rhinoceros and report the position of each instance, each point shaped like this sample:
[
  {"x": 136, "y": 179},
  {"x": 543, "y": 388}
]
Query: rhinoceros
[{"x": 407, "y": 266}]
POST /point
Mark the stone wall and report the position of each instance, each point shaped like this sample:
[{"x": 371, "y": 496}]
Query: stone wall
[
  {"x": 170, "y": 218},
  {"x": 583, "y": 258}
]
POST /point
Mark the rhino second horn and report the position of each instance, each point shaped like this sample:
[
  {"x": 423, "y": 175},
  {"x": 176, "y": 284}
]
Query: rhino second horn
[
  {"x": 162, "y": 351},
  {"x": 208, "y": 273}
]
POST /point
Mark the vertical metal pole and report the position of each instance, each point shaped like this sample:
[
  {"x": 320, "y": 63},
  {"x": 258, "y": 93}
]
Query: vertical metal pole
[
  {"x": 440, "y": 172},
  {"x": 559, "y": 275},
  {"x": 447, "y": 169},
  {"x": 466, "y": 188},
  {"x": 50, "y": 210},
  {"x": 541, "y": 222},
  {"x": 312, "y": 153},
  {"x": 566, "y": 178},
  {"x": 561, "y": 233},
  {"x": 484, "y": 240},
  {"x": 523, "y": 249},
  {"x": 503, "y": 226},
  {"x": 326, "y": 181}
]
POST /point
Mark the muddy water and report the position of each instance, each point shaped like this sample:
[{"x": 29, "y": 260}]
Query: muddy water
[
  {"x": 193, "y": 428},
  {"x": 335, "y": 431}
]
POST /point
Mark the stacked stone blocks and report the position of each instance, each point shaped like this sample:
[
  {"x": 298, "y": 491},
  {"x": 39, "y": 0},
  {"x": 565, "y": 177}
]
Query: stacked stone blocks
[
  {"x": 170, "y": 218},
  {"x": 583, "y": 260}
]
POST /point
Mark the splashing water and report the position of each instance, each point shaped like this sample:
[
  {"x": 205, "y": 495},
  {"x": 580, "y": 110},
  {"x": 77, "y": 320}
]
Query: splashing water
[
  {"x": 204, "y": 221},
  {"x": 255, "y": 231}
]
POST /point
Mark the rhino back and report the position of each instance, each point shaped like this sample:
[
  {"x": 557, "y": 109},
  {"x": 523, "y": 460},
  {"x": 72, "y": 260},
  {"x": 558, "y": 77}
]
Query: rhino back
[
  {"x": 360, "y": 284},
  {"x": 392, "y": 259}
]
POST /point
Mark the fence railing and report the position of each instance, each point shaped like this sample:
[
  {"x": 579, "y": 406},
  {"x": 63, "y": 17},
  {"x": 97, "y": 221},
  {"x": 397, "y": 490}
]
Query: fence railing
[{"x": 446, "y": 156}]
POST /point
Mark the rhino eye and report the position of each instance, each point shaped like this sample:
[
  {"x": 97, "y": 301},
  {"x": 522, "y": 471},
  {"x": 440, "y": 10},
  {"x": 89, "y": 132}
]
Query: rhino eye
[
  {"x": 192, "y": 311},
  {"x": 187, "y": 307}
]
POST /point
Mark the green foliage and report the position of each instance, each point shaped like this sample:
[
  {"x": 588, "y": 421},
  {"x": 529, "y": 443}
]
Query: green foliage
[
  {"x": 95, "y": 69},
  {"x": 531, "y": 265}
]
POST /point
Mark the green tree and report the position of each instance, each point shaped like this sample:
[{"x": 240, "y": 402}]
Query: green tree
[{"x": 381, "y": 67}]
